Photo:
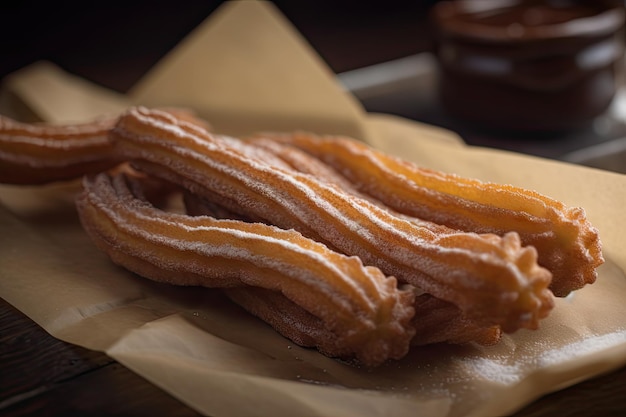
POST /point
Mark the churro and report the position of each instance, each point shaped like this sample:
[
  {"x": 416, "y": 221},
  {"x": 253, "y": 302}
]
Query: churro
[
  {"x": 567, "y": 243},
  {"x": 366, "y": 312},
  {"x": 32, "y": 153},
  {"x": 41, "y": 153},
  {"x": 435, "y": 321}
]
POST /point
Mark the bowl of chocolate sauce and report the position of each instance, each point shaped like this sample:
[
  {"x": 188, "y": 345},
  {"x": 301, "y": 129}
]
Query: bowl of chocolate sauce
[{"x": 535, "y": 65}]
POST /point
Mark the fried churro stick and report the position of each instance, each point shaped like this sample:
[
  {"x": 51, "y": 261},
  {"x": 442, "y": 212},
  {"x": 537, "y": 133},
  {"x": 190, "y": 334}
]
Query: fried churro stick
[
  {"x": 567, "y": 243},
  {"x": 364, "y": 311},
  {"x": 299, "y": 160},
  {"x": 288, "y": 319},
  {"x": 494, "y": 280},
  {"x": 435, "y": 321},
  {"x": 42, "y": 153}
]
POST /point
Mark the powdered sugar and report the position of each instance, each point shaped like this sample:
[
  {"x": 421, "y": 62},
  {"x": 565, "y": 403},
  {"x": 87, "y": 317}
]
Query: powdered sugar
[{"x": 511, "y": 369}]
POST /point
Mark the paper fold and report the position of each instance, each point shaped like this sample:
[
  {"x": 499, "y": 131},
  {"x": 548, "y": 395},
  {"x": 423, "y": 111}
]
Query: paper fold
[
  {"x": 43, "y": 92},
  {"x": 247, "y": 66}
]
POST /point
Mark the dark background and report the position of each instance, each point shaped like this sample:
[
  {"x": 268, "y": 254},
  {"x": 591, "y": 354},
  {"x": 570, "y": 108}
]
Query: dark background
[{"x": 115, "y": 44}]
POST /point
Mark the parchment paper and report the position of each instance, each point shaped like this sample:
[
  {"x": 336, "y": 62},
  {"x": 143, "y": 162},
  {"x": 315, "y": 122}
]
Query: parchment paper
[{"x": 221, "y": 361}]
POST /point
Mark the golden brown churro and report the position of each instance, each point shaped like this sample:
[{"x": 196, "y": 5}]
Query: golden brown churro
[
  {"x": 364, "y": 311},
  {"x": 435, "y": 321},
  {"x": 567, "y": 243},
  {"x": 42, "y": 153}
]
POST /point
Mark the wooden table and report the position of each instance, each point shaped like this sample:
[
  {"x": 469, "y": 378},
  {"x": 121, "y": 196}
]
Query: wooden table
[{"x": 40, "y": 375}]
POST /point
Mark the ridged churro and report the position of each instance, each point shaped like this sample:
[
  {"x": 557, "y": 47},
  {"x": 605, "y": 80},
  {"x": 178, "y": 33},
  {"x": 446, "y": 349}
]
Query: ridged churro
[
  {"x": 567, "y": 243},
  {"x": 33, "y": 153},
  {"x": 435, "y": 321},
  {"x": 41, "y": 153},
  {"x": 366, "y": 313}
]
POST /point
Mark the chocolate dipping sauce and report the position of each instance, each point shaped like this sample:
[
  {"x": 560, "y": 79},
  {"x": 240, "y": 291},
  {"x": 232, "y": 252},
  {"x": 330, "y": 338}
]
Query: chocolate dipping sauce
[{"x": 528, "y": 65}]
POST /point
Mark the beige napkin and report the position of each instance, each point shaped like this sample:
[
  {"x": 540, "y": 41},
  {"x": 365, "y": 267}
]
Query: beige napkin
[
  {"x": 44, "y": 92},
  {"x": 228, "y": 69},
  {"x": 220, "y": 360}
]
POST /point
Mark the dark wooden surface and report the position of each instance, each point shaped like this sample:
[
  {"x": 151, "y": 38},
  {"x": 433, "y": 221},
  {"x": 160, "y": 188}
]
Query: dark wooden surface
[{"x": 40, "y": 375}]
